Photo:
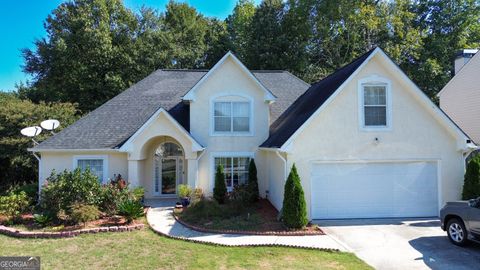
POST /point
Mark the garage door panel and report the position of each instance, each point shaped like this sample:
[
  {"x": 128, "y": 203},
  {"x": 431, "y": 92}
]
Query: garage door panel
[{"x": 350, "y": 190}]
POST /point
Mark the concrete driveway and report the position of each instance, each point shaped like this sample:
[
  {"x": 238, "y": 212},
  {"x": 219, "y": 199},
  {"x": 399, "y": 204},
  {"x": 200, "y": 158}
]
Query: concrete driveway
[{"x": 402, "y": 243}]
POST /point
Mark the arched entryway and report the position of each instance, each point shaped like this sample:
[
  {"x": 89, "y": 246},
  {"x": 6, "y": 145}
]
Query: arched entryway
[{"x": 169, "y": 168}]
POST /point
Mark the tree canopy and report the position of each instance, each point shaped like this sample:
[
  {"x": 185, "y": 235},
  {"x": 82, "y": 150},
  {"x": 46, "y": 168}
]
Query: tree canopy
[
  {"x": 17, "y": 165},
  {"x": 95, "y": 49}
]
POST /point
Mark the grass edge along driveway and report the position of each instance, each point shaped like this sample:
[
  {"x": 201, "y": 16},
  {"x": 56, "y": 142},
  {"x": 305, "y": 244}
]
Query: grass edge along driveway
[{"x": 146, "y": 250}]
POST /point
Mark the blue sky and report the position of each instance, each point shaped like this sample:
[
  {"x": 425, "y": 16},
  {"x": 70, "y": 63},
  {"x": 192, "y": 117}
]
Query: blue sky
[{"x": 21, "y": 22}]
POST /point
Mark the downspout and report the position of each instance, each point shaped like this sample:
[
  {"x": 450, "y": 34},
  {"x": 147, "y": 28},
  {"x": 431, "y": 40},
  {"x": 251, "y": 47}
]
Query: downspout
[
  {"x": 39, "y": 173},
  {"x": 197, "y": 160},
  {"x": 284, "y": 160}
]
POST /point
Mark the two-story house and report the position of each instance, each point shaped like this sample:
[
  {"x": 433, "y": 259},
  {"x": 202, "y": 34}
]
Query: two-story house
[{"x": 366, "y": 141}]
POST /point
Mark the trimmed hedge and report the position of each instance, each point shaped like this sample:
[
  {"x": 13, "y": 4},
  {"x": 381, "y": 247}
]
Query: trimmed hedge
[
  {"x": 471, "y": 186},
  {"x": 294, "y": 211}
]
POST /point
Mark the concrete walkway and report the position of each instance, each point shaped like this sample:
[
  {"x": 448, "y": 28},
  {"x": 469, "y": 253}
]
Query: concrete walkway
[{"x": 161, "y": 220}]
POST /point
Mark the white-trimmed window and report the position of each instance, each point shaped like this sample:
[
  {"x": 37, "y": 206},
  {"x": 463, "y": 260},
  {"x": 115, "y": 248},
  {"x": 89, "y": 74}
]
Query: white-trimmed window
[
  {"x": 96, "y": 164},
  {"x": 235, "y": 169},
  {"x": 374, "y": 103},
  {"x": 231, "y": 117}
]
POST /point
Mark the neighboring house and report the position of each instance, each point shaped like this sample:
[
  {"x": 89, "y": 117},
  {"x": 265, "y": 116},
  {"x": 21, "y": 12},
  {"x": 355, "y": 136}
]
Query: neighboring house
[
  {"x": 460, "y": 98},
  {"x": 366, "y": 141}
]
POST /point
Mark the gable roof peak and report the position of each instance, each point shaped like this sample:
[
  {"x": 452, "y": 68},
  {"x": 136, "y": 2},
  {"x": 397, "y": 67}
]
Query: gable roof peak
[{"x": 190, "y": 95}]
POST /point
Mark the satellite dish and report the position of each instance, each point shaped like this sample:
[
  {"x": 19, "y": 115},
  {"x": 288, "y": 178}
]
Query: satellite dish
[
  {"x": 50, "y": 124},
  {"x": 31, "y": 131}
]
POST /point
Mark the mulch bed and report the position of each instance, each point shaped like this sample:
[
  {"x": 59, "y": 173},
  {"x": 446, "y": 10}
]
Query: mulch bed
[
  {"x": 270, "y": 225},
  {"x": 28, "y": 222},
  {"x": 26, "y": 225}
]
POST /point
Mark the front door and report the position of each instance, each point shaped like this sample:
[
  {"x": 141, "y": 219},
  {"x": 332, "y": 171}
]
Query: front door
[{"x": 168, "y": 174}]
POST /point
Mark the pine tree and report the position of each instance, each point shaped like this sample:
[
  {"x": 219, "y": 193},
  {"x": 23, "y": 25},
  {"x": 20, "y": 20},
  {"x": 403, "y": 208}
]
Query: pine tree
[
  {"x": 294, "y": 209},
  {"x": 220, "y": 189},
  {"x": 471, "y": 186},
  {"x": 252, "y": 184}
]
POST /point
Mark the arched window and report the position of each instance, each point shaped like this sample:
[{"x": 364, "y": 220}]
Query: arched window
[{"x": 169, "y": 149}]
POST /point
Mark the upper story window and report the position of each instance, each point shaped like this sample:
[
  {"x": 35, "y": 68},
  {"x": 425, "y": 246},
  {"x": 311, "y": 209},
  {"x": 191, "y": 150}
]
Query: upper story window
[
  {"x": 374, "y": 103},
  {"x": 231, "y": 117}
]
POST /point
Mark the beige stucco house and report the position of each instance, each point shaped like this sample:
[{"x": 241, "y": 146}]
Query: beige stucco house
[
  {"x": 460, "y": 98},
  {"x": 366, "y": 141}
]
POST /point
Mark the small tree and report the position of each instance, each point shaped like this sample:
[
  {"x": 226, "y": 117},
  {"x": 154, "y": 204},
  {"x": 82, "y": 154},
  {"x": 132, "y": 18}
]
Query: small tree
[
  {"x": 252, "y": 184},
  {"x": 220, "y": 189},
  {"x": 471, "y": 186},
  {"x": 294, "y": 209}
]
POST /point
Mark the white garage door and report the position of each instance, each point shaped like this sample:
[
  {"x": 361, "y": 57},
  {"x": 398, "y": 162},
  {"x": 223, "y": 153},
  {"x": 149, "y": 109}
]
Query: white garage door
[{"x": 373, "y": 190}]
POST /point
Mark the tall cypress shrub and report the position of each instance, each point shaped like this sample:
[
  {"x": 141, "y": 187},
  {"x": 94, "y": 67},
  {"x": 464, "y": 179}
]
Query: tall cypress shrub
[
  {"x": 220, "y": 189},
  {"x": 252, "y": 184},
  {"x": 294, "y": 209},
  {"x": 471, "y": 185}
]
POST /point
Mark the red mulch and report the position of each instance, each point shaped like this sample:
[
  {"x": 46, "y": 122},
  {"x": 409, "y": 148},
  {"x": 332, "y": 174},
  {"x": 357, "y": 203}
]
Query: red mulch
[
  {"x": 105, "y": 221},
  {"x": 270, "y": 222}
]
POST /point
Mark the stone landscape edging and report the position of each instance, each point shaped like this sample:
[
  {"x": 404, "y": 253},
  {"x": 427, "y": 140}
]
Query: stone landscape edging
[
  {"x": 65, "y": 234},
  {"x": 275, "y": 233},
  {"x": 186, "y": 239}
]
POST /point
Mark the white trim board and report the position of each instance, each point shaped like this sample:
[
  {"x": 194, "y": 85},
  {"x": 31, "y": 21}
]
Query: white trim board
[{"x": 190, "y": 95}]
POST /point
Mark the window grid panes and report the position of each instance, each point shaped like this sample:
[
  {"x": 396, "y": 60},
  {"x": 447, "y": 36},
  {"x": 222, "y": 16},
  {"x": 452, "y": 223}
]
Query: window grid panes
[
  {"x": 235, "y": 169},
  {"x": 231, "y": 117},
  {"x": 375, "y": 105},
  {"x": 95, "y": 165}
]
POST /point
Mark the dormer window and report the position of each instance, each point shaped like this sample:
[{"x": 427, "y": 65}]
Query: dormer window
[
  {"x": 231, "y": 117},
  {"x": 374, "y": 103}
]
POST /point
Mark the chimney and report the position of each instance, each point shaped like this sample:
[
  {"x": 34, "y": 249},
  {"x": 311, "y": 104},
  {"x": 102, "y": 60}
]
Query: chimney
[{"x": 462, "y": 57}]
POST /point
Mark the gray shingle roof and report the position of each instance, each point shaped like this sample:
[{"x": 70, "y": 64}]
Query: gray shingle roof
[
  {"x": 307, "y": 104},
  {"x": 111, "y": 124}
]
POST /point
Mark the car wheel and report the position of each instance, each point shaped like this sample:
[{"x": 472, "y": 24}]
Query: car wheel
[{"x": 457, "y": 232}]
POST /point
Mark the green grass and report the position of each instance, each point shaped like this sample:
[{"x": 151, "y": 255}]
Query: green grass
[{"x": 147, "y": 250}]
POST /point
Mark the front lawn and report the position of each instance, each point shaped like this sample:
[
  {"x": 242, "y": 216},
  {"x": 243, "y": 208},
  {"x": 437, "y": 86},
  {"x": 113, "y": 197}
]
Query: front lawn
[{"x": 147, "y": 250}]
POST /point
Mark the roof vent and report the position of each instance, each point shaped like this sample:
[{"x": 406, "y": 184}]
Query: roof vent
[{"x": 462, "y": 57}]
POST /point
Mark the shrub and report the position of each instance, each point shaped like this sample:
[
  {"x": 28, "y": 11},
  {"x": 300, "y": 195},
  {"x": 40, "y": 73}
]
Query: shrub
[
  {"x": 30, "y": 189},
  {"x": 13, "y": 204},
  {"x": 138, "y": 194},
  {"x": 471, "y": 186},
  {"x": 82, "y": 213},
  {"x": 294, "y": 211},
  {"x": 220, "y": 189},
  {"x": 252, "y": 184},
  {"x": 63, "y": 190},
  {"x": 197, "y": 196},
  {"x": 241, "y": 194},
  {"x": 111, "y": 197},
  {"x": 184, "y": 191},
  {"x": 131, "y": 210},
  {"x": 42, "y": 220}
]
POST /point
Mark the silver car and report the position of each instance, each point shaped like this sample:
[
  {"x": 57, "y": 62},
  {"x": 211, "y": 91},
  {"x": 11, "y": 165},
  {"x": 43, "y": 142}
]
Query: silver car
[{"x": 461, "y": 220}]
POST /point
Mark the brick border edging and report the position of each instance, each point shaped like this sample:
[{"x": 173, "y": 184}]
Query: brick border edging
[
  {"x": 243, "y": 245},
  {"x": 275, "y": 233},
  {"x": 39, "y": 234}
]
